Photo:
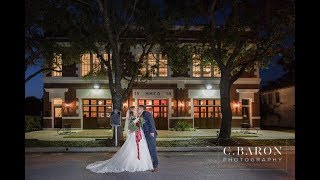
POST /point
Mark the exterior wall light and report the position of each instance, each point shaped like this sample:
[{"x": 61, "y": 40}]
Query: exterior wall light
[
  {"x": 96, "y": 86},
  {"x": 208, "y": 86}
]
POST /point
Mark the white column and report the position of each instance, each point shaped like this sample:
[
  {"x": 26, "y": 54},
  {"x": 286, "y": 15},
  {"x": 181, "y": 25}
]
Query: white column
[
  {"x": 80, "y": 112},
  {"x": 52, "y": 113},
  {"x": 169, "y": 112},
  {"x": 250, "y": 112},
  {"x": 192, "y": 111}
]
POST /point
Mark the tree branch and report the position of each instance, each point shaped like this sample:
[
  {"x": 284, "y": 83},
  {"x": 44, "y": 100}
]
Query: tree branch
[
  {"x": 38, "y": 72},
  {"x": 109, "y": 71},
  {"x": 135, "y": 72},
  {"x": 128, "y": 21},
  {"x": 235, "y": 53}
]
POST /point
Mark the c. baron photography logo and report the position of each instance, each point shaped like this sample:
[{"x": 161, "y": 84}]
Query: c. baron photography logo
[{"x": 253, "y": 154}]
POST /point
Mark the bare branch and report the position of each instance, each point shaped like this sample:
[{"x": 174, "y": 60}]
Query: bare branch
[
  {"x": 107, "y": 63},
  {"x": 235, "y": 52},
  {"x": 38, "y": 72},
  {"x": 128, "y": 21}
]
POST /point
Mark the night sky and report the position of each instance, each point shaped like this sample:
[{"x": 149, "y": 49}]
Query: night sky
[{"x": 35, "y": 86}]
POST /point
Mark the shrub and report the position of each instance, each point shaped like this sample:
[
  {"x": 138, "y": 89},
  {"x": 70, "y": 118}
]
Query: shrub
[
  {"x": 182, "y": 126},
  {"x": 32, "y": 123}
]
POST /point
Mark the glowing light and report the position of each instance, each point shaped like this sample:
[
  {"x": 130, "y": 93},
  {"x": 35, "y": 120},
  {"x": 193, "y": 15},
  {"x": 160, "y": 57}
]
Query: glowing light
[
  {"x": 99, "y": 102},
  {"x": 181, "y": 104},
  {"x": 208, "y": 86},
  {"x": 96, "y": 86}
]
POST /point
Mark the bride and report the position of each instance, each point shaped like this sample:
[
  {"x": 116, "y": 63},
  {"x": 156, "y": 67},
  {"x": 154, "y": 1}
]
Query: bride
[{"x": 128, "y": 157}]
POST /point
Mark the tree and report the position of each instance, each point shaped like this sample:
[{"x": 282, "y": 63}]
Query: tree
[
  {"x": 43, "y": 16},
  {"x": 105, "y": 26},
  {"x": 251, "y": 33},
  {"x": 33, "y": 106},
  {"x": 237, "y": 35}
]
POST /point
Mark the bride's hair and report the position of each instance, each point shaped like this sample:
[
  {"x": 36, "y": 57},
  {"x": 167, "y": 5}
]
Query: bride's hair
[{"x": 131, "y": 111}]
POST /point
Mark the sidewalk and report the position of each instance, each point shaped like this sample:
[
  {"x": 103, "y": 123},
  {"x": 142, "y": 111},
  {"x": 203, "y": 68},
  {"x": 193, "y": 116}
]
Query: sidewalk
[
  {"x": 115, "y": 149},
  {"x": 163, "y": 135}
]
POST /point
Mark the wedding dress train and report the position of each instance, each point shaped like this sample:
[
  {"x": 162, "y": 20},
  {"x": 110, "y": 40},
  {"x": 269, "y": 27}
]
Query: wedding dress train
[{"x": 126, "y": 158}]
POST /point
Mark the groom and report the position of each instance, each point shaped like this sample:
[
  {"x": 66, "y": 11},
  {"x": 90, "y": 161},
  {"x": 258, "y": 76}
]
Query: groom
[{"x": 150, "y": 134}]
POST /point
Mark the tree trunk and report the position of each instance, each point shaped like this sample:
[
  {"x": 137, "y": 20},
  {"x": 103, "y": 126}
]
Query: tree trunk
[
  {"x": 225, "y": 128},
  {"x": 117, "y": 104}
]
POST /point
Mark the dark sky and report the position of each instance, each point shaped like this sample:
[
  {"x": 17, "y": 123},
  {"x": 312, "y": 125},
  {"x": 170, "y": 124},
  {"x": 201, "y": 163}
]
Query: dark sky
[{"x": 35, "y": 86}]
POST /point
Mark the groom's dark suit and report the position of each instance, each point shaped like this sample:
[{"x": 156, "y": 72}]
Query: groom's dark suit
[{"x": 148, "y": 127}]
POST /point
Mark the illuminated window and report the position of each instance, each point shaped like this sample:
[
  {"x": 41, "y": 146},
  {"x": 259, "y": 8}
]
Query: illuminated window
[
  {"x": 163, "y": 66},
  {"x": 57, "y": 66},
  {"x": 152, "y": 64},
  {"x": 94, "y": 65},
  {"x": 85, "y": 66},
  {"x": 216, "y": 71},
  {"x": 200, "y": 70},
  {"x": 207, "y": 108},
  {"x": 207, "y": 71},
  {"x": 57, "y": 101},
  {"x": 156, "y": 64},
  {"x": 97, "y": 107},
  {"x": 196, "y": 67}
]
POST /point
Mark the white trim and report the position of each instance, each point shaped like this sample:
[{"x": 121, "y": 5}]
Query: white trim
[
  {"x": 256, "y": 117},
  {"x": 75, "y": 117},
  {"x": 237, "y": 117},
  {"x": 56, "y": 93},
  {"x": 187, "y": 117},
  {"x": 191, "y": 111},
  {"x": 169, "y": 111},
  {"x": 250, "y": 111},
  {"x": 247, "y": 90},
  {"x": 48, "y": 118},
  {"x": 93, "y": 93},
  {"x": 155, "y": 93},
  {"x": 157, "y": 80},
  {"x": 204, "y": 93},
  {"x": 70, "y": 80},
  {"x": 80, "y": 112},
  {"x": 248, "y": 81}
]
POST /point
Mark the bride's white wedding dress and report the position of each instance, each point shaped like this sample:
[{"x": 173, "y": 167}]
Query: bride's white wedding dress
[{"x": 126, "y": 158}]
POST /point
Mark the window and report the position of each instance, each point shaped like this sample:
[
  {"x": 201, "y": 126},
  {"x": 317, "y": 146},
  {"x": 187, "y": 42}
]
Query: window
[
  {"x": 57, "y": 65},
  {"x": 200, "y": 70},
  {"x": 163, "y": 66},
  {"x": 196, "y": 69},
  {"x": 270, "y": 98},
  {"x": 157, "y": 107},
  {"x": 277, "y": 97},
  {"x": 156, "y": 64},
  {"x": 206, "y": 108},
  {"x": 152, "y": 64},
  {"x": 96, "y": 108},
  {"x": 85, "y": 66},
  {"x": 57, "y": 101},
  {"x": 91, "y": 64}
]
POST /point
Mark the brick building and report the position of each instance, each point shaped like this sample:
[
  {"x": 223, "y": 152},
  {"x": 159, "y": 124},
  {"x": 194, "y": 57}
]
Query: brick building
[
  {"x": 193, "y": 97},
  {"x": 278, "y": 106}
]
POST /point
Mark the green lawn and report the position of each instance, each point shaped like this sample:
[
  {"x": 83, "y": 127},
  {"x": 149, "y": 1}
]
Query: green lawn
[{"x": 194, "y": 142}]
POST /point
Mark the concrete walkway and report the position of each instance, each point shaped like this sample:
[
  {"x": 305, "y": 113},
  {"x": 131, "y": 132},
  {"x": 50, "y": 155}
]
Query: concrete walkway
[{"x": 163, "y": 135}]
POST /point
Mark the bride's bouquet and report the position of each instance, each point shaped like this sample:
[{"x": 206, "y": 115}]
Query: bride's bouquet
[{"x": 135, "y": 124}]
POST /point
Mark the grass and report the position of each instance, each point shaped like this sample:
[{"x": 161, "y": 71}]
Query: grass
[
  {"x": 233, "y": 135},
  {"x": 87, "y": 136},
  {"x": 195, "y": 142}
]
